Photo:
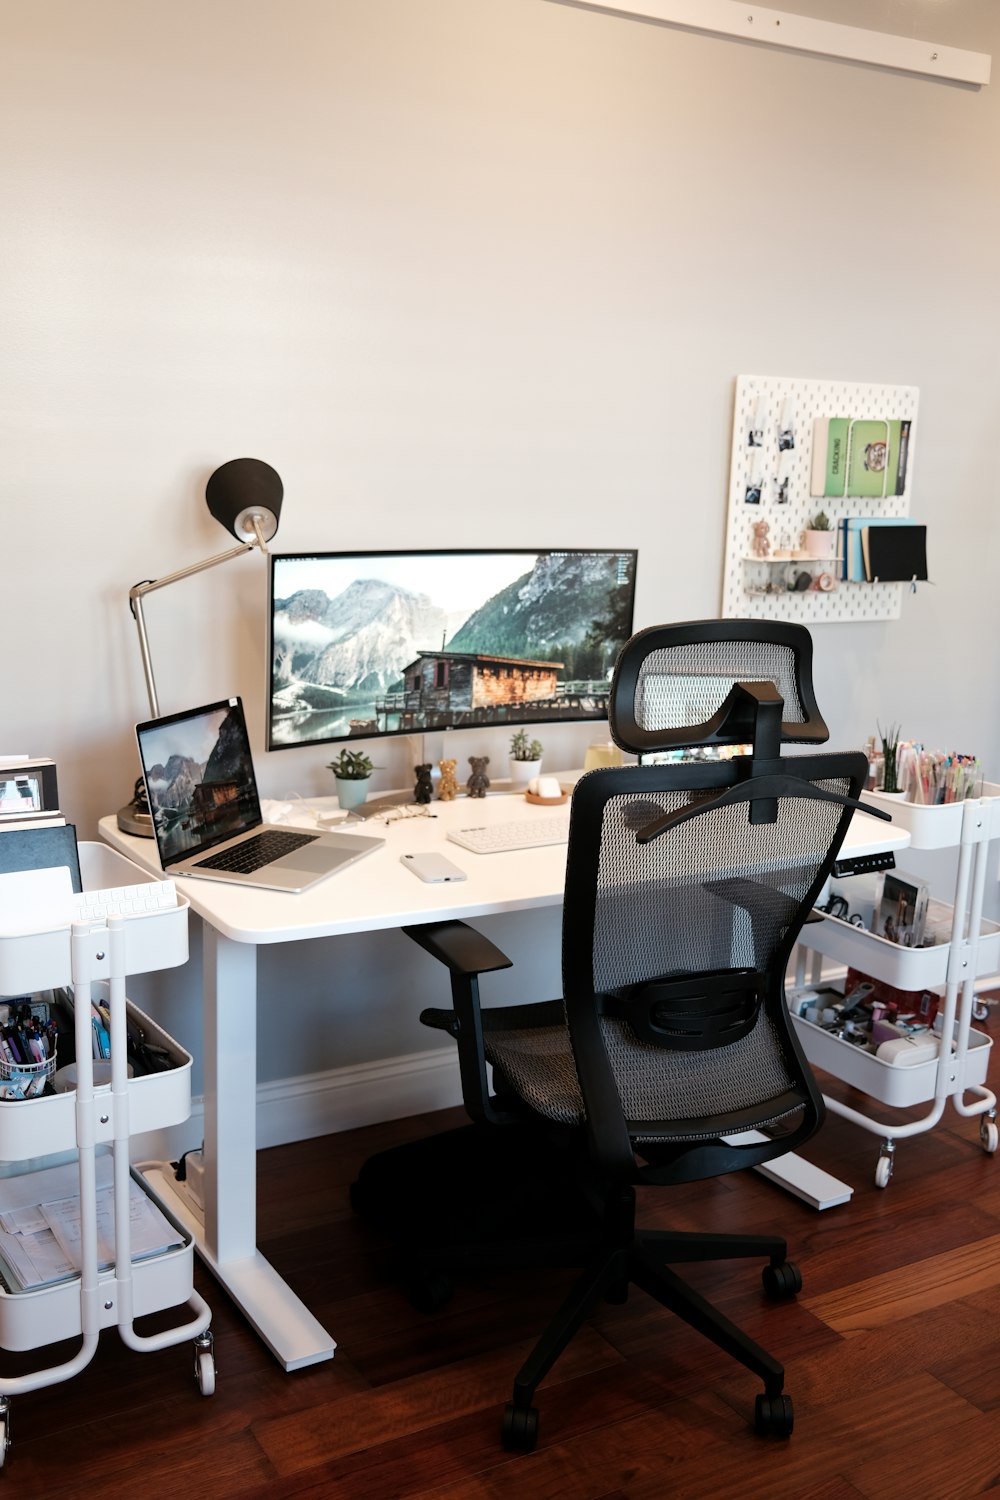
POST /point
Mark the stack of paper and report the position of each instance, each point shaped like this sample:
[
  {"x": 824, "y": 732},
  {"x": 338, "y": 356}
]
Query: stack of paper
[{"x": 40, "y": 1242}]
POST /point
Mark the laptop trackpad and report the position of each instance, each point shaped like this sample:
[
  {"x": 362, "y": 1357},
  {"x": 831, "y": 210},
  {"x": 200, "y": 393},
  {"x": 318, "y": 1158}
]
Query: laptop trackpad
[{"x": 315, "y": 859}]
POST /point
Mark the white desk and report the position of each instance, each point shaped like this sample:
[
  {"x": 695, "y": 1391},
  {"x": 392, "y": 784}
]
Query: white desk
[{"x": 376, "y": 893}]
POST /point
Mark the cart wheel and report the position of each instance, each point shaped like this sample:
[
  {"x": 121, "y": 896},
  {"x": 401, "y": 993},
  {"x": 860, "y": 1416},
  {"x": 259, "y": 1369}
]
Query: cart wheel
[
  {"x": 980, "y": 1010},
  {"x": 883, "y": 1171},
  {"x": 204, "y": 1363},
  {"x": 989, "y": 1136},
  {"x": 206, "y": 1373},
  {"x": 4, "y": 1429}
]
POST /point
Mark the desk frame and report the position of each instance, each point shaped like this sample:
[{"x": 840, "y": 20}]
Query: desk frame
[{"x": 226, "y": 1235}]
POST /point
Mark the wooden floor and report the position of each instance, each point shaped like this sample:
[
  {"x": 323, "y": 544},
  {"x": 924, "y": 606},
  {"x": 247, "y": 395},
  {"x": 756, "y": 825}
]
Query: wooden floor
[{"x": 892, "y": 1353}]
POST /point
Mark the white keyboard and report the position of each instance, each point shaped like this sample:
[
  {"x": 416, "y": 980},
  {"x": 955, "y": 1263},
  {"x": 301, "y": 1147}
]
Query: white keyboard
[
  {"x": 124, "y": 901},
  {"x": 499, "y": 838}
]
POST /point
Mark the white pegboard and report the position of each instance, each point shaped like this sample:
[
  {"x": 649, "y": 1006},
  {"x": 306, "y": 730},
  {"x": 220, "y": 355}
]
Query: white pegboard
[{"x": 768, "y": 402}]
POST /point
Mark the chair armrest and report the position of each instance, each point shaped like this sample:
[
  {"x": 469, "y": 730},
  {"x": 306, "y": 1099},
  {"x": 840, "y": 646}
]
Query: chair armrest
[
  {"x": 459, "y": 947},
  {"x": 466, "y": 954}
]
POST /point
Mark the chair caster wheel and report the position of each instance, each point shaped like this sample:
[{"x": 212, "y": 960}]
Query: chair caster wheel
[
  {"x": 781, "y": 1281},
  {"x": 774, "y": 1415},
  {"x": 519, "y": 1430},
  {"x": 429, "y": 1292}
]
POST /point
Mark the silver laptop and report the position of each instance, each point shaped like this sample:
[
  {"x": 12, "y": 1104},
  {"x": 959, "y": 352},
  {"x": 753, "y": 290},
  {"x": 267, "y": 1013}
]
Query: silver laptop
[{"x": 206, "y": 813}]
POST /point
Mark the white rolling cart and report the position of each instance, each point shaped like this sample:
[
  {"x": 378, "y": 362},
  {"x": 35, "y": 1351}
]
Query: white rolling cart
[
  {"x": 91, "y": 1128},
  {"x": 972, "y": 952}
]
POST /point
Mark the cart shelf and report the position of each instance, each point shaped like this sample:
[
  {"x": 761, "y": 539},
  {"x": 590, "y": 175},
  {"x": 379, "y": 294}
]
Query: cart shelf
[{"x": 897, "y": 1087}]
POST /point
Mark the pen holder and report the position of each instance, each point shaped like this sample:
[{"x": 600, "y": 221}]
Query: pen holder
[{"x": 25, "y": 1080}]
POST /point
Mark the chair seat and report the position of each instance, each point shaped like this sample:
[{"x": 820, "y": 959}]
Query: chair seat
[
  {"x": 535, "y": 1061},
  {"x": 537, "y": 1064}
]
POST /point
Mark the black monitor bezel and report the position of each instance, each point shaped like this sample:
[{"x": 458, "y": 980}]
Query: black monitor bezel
[{"x": 348, "y": 553}]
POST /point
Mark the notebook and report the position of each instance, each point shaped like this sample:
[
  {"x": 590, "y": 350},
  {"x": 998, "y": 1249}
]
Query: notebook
[
  {"x": 41, "y": 849},
  {"x": 205, "y": 809},
  {"x": 895, "y": 554},
  {"x": 852, "y": 528}
]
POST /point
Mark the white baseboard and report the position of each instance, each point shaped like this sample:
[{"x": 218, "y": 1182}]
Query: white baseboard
[{"x": 296, "y": 1109}]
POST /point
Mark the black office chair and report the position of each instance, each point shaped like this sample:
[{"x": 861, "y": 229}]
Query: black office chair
[{"x": 670, "y": 1057}]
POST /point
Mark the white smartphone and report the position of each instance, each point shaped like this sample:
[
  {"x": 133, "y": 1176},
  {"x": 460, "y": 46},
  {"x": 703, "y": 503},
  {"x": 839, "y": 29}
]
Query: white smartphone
[{"x": 432, "y": 867}]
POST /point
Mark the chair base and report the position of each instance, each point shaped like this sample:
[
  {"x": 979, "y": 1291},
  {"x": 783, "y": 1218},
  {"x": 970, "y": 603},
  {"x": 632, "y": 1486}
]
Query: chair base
[
  {"x": 478, "y": 1196},
  {"x": 645, "y": 1264}
]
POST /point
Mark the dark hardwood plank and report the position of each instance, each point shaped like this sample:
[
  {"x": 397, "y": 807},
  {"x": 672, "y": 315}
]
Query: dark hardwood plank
[{"x": 890, "y": 1351}]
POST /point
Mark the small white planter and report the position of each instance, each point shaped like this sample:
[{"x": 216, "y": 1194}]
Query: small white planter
[
  {"x": 521, "y": 772},
  {"x": 820, "y": 543}
]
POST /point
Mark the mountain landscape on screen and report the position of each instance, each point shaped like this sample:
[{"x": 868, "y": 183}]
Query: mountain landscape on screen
[{"x": 340, "y": 661}]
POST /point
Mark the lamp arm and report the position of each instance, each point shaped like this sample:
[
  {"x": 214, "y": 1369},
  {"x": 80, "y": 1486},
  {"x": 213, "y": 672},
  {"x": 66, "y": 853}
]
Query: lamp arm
[{"x": 138, "y": 592}]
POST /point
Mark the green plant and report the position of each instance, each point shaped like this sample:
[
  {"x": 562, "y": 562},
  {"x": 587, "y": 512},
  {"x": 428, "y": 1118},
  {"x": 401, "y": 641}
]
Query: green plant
[
  {"x": 521, "y": 748},
  {"x": 890, "y": 743},
  {"x": 351, "y": 765},
  {"x": 819, "y": 522}
]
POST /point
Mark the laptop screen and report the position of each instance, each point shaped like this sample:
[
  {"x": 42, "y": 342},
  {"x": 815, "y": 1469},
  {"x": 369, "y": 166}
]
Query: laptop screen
[{"x": 199, "y": 778}]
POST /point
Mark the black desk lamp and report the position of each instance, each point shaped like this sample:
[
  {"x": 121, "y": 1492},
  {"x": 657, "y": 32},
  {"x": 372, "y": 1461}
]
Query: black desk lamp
[{"x": 245, "y": 496}]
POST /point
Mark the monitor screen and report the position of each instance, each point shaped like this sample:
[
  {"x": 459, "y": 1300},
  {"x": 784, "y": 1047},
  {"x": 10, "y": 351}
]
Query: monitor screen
[{"x": 366, "y": 644}]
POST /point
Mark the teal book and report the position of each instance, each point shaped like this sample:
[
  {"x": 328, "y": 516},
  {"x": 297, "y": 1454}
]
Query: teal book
[{"x": 859, "y": 458}]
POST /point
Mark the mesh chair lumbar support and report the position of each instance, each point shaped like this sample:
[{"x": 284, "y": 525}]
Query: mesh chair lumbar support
[{"x": 686, "y": 887}]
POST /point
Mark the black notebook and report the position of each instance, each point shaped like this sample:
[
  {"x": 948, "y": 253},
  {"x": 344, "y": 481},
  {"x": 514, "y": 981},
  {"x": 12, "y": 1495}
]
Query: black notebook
[{"x": 894, "y": 554}]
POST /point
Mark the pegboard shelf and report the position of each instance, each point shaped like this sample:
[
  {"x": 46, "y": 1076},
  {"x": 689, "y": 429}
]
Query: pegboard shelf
[
  {"x": 780, "y": 477},
  {"x": 788, "y": 562}
]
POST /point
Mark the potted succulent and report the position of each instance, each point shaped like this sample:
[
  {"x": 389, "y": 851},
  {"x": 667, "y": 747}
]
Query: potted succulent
[
  {"x": 352, "y": 769},
  {"x": 819, "y": 538},
  {"x": 525, "y": 759}
]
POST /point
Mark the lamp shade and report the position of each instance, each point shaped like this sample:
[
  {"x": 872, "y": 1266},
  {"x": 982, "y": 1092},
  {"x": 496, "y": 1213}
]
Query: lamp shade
[{"x": 243, "y": 489}]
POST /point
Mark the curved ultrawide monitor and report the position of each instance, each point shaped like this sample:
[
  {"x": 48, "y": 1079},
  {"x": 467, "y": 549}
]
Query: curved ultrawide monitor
[{"x": 363, "y": 644}]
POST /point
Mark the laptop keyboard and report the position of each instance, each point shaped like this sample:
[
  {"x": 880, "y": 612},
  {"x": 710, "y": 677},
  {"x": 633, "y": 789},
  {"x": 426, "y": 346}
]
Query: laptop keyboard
[{"x": 252, "y": 854}]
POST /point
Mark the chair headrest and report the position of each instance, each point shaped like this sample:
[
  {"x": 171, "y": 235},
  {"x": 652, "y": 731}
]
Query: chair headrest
[{"x": 670, "y": 682}]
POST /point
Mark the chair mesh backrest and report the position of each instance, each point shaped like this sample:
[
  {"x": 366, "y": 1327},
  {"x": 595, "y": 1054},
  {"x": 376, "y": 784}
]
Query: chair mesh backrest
[
  {"x": 682, "y": 685},
  {"x": 716, "y": 892}
]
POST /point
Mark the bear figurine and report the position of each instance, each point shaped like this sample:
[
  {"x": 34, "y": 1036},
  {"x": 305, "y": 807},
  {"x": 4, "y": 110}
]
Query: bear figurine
[
  {"x": 424, "y": 789},
  {"x": 448, "y": 789},
  {"x": 478, "y": 783}
]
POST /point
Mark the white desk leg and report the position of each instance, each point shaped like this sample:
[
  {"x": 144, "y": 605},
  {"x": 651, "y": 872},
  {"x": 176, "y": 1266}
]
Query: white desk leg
[
  {"x": 227, "y": 1241},
  {"x": 230, "y": 1064}
]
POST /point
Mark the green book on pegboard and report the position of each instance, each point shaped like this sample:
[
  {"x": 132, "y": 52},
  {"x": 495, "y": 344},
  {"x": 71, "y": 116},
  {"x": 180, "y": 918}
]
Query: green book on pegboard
[{"x": 859, "y": 458}]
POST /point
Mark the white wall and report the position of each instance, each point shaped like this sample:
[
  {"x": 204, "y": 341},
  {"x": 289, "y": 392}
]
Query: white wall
[{"x": 465, "y": 272}]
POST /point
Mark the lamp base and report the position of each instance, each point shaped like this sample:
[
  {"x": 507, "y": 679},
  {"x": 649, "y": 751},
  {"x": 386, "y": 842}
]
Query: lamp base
[{"x": 135, "y": 820}]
